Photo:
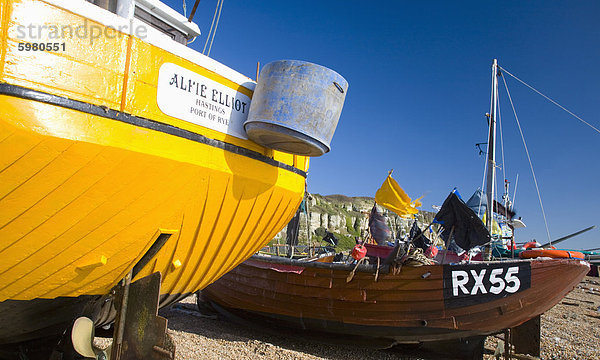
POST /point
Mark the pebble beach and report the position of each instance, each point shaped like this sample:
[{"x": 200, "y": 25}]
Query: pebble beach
[{"x": 570, "y": 330}]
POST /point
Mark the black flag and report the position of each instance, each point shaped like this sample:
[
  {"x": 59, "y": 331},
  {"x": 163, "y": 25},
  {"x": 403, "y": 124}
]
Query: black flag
[
  {"x": 469, "y": 230},
  {"x": 418, "y": 238}
]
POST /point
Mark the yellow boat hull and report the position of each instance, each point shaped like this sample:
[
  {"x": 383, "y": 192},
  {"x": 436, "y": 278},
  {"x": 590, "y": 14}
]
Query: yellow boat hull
[{"x": 93, "y": 173}]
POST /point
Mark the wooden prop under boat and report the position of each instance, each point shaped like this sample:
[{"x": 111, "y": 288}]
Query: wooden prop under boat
[
  {"x": 103, "y": 169},
  {"x": 406, "y": 304}
]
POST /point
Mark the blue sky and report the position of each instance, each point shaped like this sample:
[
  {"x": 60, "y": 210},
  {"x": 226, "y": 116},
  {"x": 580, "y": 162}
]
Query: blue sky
[{"x": 419, "y": 85}]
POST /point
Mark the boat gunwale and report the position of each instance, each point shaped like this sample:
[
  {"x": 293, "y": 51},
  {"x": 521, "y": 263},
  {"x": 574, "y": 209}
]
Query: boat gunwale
[
  {"x": 383, "y": 269},
  {"x": 17, "y": 91}
]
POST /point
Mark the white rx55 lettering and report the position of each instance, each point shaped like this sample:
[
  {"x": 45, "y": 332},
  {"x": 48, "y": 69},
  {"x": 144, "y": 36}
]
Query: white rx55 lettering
[{"x": 494, "y": 281}]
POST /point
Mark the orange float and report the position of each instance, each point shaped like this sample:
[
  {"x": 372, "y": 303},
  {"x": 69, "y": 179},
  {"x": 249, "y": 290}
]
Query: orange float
[{"x": 551, "y": 253}]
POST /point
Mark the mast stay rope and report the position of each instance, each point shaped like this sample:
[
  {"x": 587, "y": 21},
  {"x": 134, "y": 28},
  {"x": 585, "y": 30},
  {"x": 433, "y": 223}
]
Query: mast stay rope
[
  {"x": 528, "y": 158},
  {"x": 549, "y": 99},
  {"x": 213, "y": 27},
  {"x": 482, "y": 185},
  {"x": 215, "y": 31},
  {"x": 501, "y": 141}
]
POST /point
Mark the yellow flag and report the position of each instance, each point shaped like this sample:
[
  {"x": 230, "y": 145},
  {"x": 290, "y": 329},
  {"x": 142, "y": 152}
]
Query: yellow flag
[
  {"x": 417, "y": 203},
  {"x": 495, "y": 226},
  {"x": 391, "y": 196}
]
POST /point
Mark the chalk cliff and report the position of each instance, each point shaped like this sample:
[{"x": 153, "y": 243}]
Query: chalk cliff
[{"x": 347, "y": 217}]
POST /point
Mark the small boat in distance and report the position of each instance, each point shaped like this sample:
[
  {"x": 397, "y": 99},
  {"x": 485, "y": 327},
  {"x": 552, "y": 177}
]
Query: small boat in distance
[{"x": 123, "y": 152}]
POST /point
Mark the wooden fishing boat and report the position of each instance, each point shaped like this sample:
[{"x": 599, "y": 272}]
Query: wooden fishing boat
[
  {"x": 407, "y": 305},
  {"x": 401, "y": 297},
  {"x": 405, "y": 297},
  {"x": 121, "y": 149}
]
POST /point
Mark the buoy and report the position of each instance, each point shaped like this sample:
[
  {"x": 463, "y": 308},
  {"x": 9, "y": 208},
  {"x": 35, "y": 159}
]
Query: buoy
[
  {"x": 359, "y": 251},
  {"x": 431, "y": 252},
  {"x": 551, "y": 253}
]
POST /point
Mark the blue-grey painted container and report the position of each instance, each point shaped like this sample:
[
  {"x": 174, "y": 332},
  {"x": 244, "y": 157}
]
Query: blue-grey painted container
[{"x": 295, "y": 107}]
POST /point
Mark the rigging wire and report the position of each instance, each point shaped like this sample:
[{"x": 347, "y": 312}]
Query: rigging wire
[
  {"x": 485, "y": 169},
  {"x": 514, "y": 198},
  {"x": 502, "y": 167},
  {"x": 184, "y": 9},
  {"x": 215, "y": 31},
  {"x": 212, "y": 24},
  {"x": 479, "y": 215},
  {"x": 501, "y": 141},
  {"x": 495, "y": 192},
  {"x": 552, "y": 101},
  {"x": 495, "y": 184},
  {"x": 505, "y": 195},
  {"x": 529, "y": 159}
]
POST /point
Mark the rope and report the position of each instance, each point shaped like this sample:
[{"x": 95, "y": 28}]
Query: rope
[
  {"x": 552, "y": 101},
  {"x": 529, "y": 159},
  {"x": 216, "y": 25},
  {"x": 417, "y": 258},
  {"x": 211, "y": 26}
]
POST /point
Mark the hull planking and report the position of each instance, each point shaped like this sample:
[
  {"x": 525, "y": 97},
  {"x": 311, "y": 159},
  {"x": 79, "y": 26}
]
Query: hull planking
[
  {"x": 418, "y": 304},
  {"x": 93, "y": 173}
]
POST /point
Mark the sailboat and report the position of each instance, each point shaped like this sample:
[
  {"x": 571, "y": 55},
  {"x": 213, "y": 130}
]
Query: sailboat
[
  {"x": 402, "y": 297},
  {"x": 124, "y": 153}
]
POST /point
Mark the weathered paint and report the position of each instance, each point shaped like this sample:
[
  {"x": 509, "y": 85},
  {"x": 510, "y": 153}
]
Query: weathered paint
[
  {"x": 296, "y": 107},
  {"x": 404, "y": 306}
]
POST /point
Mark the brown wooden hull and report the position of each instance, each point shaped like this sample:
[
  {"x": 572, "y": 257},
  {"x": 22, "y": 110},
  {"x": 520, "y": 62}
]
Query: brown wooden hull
[{"x": 426, "y": 303}]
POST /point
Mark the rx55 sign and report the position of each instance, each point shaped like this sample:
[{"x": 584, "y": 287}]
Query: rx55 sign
[{"x": 476, "y": 283}]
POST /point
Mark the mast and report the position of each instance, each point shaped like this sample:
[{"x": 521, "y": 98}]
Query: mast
[{"x": 491, "y": 162}]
